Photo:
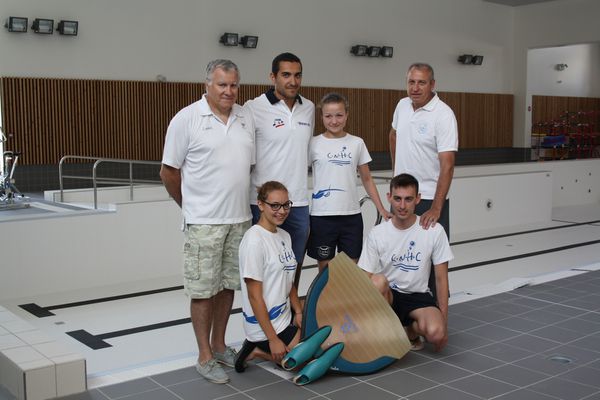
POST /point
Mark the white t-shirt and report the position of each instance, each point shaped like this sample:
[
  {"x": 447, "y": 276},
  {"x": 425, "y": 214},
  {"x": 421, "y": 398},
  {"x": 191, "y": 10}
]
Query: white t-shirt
[
  {"x": 214, "y": 159},
  {"x": 405, "y": 256},
  {"x": 420, "y": 136},
  {"x": 267, "y": 257},
  {"x": 282, "y": 137},
  {"x": 334, "y": 163}
]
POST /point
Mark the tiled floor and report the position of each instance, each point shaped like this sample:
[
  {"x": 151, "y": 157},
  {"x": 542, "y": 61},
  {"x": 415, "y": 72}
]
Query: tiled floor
[
  {"x": 541, "y": 341},
  {"x": 536, "y": 342}
]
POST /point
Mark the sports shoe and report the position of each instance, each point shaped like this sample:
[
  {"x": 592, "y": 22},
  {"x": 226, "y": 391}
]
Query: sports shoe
[
  {"x": 227, "y": 357},
  {"x": 212, "y": 372}
]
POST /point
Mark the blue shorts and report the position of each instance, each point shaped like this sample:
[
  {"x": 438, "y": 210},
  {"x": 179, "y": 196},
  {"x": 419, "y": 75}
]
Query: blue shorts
[
  {"x": 341, "y": 232},
  {"x": 297, "y": 225},
  {"x": 404, "y": 303}
]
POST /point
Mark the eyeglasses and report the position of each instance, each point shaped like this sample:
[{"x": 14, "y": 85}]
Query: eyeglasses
[{"x": 277, "y": 206}]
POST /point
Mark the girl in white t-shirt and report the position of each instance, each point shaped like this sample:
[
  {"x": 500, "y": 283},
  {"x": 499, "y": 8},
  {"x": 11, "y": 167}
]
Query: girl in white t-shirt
[
  {"x": 335, "y": 155},
  {"x": 271, "y": 308}
]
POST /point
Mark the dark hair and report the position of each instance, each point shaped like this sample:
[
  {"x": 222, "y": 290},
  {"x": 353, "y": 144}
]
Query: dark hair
[
  {"x": 268, "y": 187},
  {"x": 335, "y": 98},
  {"x": 289, "y": 57},
  {"x": 423, "y": 67},
  {"x": 404, "y": 180}
]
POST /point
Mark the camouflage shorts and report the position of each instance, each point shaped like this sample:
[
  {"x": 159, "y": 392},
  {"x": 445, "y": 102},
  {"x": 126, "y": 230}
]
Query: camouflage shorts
[{"x": 210, "y": 258}]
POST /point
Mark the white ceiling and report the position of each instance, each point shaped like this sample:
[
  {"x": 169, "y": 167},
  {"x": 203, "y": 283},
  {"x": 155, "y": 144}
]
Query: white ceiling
[{"x": 516, "y": 3}]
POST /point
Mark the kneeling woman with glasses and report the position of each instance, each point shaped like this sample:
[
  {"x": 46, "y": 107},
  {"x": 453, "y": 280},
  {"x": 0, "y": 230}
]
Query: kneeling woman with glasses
[{"x": 271, "y": 308}]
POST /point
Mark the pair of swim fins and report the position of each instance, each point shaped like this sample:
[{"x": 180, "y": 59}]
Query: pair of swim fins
[{"x": 309, "y": 348}]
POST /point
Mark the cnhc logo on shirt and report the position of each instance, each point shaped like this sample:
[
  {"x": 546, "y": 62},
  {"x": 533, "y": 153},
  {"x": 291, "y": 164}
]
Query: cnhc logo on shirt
[
  {"x": 302, "y": 123},
  {"x": 287, "y": 258},
  {"x": 407, "y": 261},
  {"x": 340, "y": 158},
  {"x": 278, "y": 123}
]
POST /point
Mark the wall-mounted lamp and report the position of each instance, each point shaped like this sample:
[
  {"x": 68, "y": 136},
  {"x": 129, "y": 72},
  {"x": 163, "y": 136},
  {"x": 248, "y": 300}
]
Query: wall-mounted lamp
[
  {"x": 561, "y": 67},
  {"x": 470, "y": 59},
  {"x": 69, "y": 28},
  {"x": 43, "y": 26},
  {"x": 359, "y": 50},
  {"x": 372, "y": 51},
  {"x": 16, "y": 24},
  {"x": 229, "y": 39},
  {"x": 387, "y": 51},
  {"x": 249, "y": 42}
]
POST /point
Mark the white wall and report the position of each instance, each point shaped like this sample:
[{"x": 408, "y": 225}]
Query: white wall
[
  {"x": 579, "y": 79},
  {"x": 139, "y": 39},
  {"x": 555, "y": 23}
]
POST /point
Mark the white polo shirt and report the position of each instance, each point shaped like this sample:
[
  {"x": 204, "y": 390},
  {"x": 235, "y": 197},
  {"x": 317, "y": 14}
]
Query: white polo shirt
[
  {"x": 267, "y": 257},
  {"x": 334, "y": 163},
  {"x": 214, "y": 159},
  {"x": 405, "y": 256},
  {"x": 420, "y": 135},
  {"x": 282, "y": 136}
]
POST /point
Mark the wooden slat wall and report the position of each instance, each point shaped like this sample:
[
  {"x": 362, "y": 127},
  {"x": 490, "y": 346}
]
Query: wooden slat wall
[
  {"x": 50, "y": 118},
  {"x": 550, "y": 108}
]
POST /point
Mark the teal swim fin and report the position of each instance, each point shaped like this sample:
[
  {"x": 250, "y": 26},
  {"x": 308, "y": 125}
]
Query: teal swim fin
[
  {"x": 306, "y": 349},
  {"x": 317, "y": 367}
]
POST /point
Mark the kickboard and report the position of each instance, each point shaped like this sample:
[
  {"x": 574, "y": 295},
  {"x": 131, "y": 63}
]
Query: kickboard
[{"x": 343, "y": 297}]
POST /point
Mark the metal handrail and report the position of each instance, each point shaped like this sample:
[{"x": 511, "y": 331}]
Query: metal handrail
[
  {"x": 363, "y": 200},
  {"x": 94, "y": 178}
]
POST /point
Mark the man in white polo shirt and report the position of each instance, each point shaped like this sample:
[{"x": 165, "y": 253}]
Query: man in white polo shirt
[
  {"x": 208, "y": 152},
  {"x": 423, "y": 143},
  {"x": 284, "y": 122}
]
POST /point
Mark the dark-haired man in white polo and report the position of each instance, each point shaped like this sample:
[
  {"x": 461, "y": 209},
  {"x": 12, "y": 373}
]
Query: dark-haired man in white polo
[{"x": 284, "y": 123}]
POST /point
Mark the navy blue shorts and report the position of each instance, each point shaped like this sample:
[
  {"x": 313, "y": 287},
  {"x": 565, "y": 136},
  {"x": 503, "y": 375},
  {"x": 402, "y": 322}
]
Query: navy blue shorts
[
  {"x": 341, "y": 232},
  {"x": 297, "y": 225},
  {"x": 403, "y": 304},
  {"x": 285, "y": 335}
]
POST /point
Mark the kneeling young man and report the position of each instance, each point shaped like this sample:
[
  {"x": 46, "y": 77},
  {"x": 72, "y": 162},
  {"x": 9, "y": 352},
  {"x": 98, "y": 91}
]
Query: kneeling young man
[{"x": 398, "y": 256}]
